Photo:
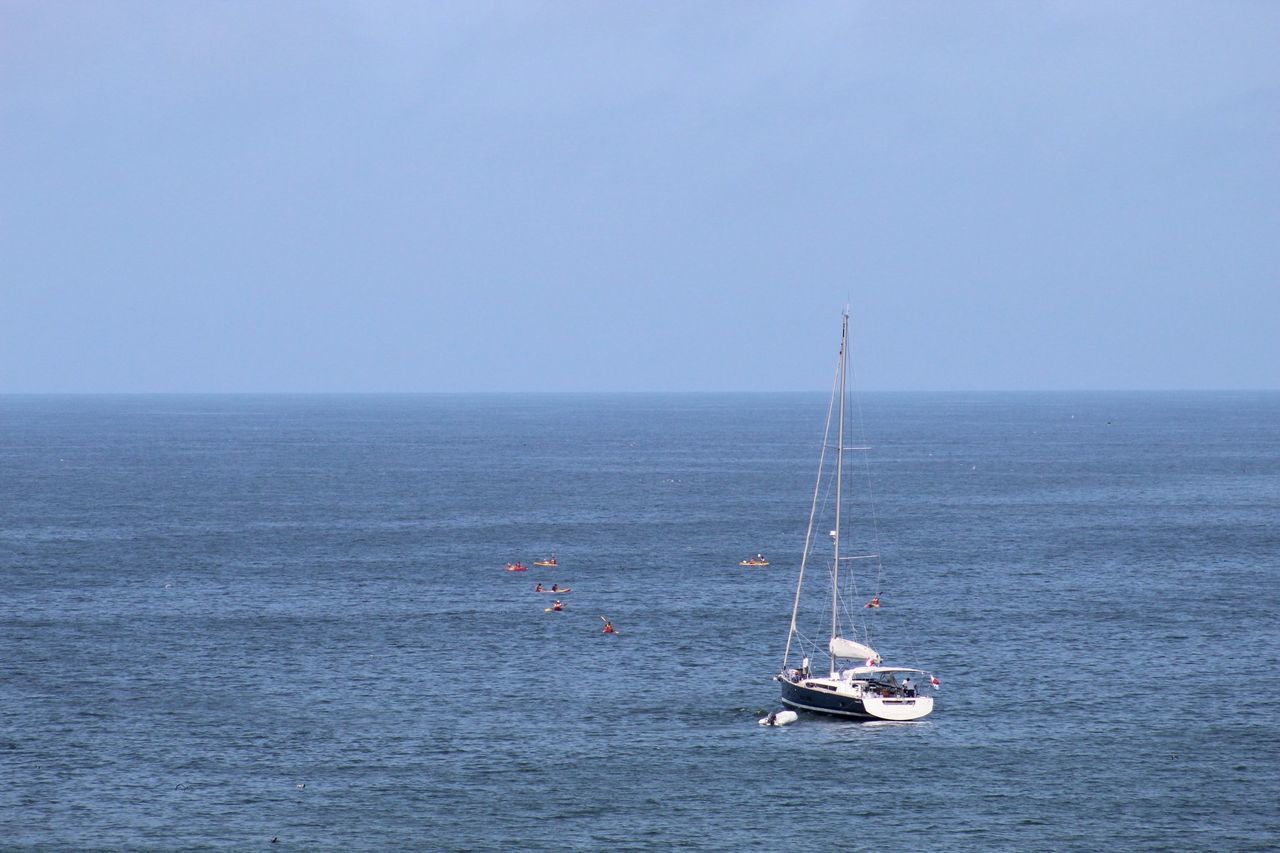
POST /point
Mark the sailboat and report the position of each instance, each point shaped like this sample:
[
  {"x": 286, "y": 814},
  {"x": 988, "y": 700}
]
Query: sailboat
[{"x": 856, "y": 683}]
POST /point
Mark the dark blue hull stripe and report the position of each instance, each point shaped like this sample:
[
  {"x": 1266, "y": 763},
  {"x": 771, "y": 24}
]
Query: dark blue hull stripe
[{"x": 822, "y": 702}]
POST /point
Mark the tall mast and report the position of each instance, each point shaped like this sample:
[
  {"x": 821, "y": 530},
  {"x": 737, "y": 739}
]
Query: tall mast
[{"x": 835, "y": 565}]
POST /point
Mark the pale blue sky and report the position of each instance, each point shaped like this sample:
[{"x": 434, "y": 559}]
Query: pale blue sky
[{"x": 362, "y": 196}]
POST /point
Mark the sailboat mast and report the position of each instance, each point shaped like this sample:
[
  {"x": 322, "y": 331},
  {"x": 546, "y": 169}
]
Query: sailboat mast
[{"x": 835, "y": 565}]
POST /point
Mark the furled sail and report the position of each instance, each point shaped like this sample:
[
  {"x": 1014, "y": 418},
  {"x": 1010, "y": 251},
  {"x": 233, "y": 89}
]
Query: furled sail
[{"x": 842, "y": 648}]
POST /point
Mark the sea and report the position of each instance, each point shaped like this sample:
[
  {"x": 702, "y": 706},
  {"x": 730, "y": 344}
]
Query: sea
[{"x": 284, "y": 622}]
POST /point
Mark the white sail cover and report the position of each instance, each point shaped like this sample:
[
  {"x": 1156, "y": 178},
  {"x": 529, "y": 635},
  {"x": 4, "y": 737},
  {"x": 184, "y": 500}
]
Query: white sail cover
[{"x": 842, "y": 648}]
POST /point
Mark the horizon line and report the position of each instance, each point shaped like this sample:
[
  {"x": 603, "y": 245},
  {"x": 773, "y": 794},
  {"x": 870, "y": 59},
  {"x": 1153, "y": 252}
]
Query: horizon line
[{"x": 633, "y": 391}]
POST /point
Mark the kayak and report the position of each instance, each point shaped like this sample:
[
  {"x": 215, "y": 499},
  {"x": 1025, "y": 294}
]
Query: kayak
[
  {"x": 754, "y": 563},
  {"x": 517, "y": 567},
  {"x": 564, "y": 591},
  {"x": 546, "y": 563}
]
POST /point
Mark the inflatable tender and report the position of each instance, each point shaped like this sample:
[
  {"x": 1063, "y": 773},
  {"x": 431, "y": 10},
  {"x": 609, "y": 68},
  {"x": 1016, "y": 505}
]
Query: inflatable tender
[{"x": 780, "y": 718}]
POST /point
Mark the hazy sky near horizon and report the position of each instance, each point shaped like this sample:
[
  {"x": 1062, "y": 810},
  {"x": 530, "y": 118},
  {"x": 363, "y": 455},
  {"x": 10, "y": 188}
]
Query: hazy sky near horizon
[{"x": 548, "y": 196}]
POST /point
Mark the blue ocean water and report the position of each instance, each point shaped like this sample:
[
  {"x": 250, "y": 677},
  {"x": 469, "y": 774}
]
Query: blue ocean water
[{"x": 226, "y": 619}]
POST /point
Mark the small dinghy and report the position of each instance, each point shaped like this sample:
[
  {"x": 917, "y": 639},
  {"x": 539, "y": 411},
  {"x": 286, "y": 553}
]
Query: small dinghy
[{"x": 780, "y": 718}]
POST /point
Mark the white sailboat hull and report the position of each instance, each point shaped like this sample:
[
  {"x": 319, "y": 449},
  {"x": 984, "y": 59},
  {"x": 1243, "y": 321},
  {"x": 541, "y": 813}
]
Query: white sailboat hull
[
  {"x": 909, "y": 708},
  {"x": 855, "y": 701}
]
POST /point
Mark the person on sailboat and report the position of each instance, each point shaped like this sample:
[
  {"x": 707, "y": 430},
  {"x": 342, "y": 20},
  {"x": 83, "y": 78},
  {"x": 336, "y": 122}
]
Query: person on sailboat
[
  {"x": 908, "y": 689},
  {"x": 804, "y": 668}
]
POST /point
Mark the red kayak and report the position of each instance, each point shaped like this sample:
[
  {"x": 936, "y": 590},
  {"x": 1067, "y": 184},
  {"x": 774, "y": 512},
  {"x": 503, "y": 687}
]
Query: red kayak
[{"x": 517, "y": 567}]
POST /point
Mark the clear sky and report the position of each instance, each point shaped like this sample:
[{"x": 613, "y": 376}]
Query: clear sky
[{"x": 649, "y": 196}]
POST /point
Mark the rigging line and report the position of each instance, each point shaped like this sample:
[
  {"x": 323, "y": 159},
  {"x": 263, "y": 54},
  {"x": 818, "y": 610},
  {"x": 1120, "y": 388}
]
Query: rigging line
[
  {"x": 835, "y": 565},
  {"x": 871, "y": 498},
  {"x": 803, "y": 640},
  {"x": 822, "y": 508},
  {"x": 845, "y": 610},
  {"x": 854, "y": 614},
  {"x": 831, "y": 575},
  {"x": 811, "y": 553},
  {"x": 808, "y": 536}
]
